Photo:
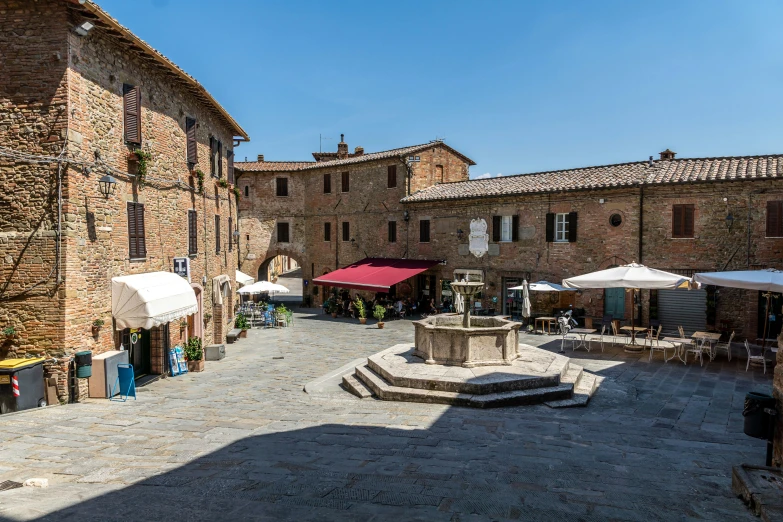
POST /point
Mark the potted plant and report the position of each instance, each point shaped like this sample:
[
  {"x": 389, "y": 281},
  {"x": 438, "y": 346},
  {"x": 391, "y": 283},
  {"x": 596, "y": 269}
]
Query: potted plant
[
  {"x": 241, "y": 323},
  {"x": 222, "y": 183},
  {"x": 96, "y": 326},
  {"x": 183, "y": 324},
  {"x": 378, "y": 312},
  {"x": 9, "y": 332},
  {"x": 361, "y": 310},
  {"x": 332, "y": 307},
  {"x": 195, "y": 354},
  {"x": 207, "y": 317}
]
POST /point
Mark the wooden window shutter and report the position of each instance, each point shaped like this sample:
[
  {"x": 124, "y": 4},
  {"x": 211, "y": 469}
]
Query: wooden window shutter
[
  {"x": 346, "y": 231},
  {"x": 677, "y": 212},
  {"x": 192, "y": 144},
  {"x": 212, "y": 156},
  {"x": 131, "y": 99},
  {"x": 774, "y": 219},
  {"x": 217, "y": 234},
  {"x": 192, "y": 232},
  {"x": 327, "y": 231},
  {"x": 327, "y": 183},
  {"x": 392, "y": 231},
  {"x": 572, "y": 227},
  {"x": 497, "y": 223},
  {"x": 515, "y": 228},
  {"x": 137, "y": 246},
  {"x": 688, "y": 221},
  {"x": 220, "y": 159},
  {"x": 391, "y": 176},
  {"x": 230, "y": 161},
  {"x": 230, "y": 234},
  {"x": 424, "y": 231},
  {"x": 133, "y": 252},
  {"x": 346, "y": 182},
  {"x": 550, "y": 227},
  {"x": 140, "y": 229}
]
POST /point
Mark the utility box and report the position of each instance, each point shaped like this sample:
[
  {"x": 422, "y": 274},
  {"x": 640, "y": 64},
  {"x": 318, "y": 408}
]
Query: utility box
[
  {"x": 104, "y": 372},
  {"x": 21, "y": 384},
  {"x": 215, "y": 352}
]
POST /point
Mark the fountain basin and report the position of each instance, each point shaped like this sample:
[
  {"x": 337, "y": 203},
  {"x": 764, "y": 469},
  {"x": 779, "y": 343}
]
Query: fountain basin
[{"x": 489, "y": 341}]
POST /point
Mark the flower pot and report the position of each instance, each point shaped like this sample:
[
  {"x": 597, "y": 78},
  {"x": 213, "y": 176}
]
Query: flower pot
[
  {"x": 334, "y": 315},
  {"x": 362, "y": 320},
  {"x": 380, "y": 325},
  {"x": 196, "y": 366},
  {"x": 243, "y": 333},
  {"x": 95, "y": 330},
  {"x": 133, "y": 157}
]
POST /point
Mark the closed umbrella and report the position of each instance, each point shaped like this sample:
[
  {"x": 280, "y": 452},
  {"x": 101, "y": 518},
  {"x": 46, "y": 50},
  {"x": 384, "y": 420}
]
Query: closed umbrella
[
  {"x": 769, "y": 281},
  {"x": 633, "y": 276},
  {"x": 525, "y": 300}
]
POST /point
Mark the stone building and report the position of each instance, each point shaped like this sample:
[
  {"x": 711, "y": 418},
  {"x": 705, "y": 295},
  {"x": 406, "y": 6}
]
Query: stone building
[
  {"x": 680, "y": 215},
  {"x": 81, "y": 98}
]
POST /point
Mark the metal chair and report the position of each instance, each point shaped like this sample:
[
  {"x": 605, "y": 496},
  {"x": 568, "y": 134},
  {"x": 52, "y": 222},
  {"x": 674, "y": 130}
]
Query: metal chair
[
  {"x": 697, "y": 349},
  {"x": 600, "y": 338},
  {"x": 653, "y": 336},
  {"x": 564, "y": 329},
  {"x": 755, "y": 358},
  {"x": 617, "y": 333},
  {"x": 726, "y": 346}
]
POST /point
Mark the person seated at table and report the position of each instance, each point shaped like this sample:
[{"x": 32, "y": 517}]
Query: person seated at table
[
  {"x": 349, "y": 310},
  {"x": 399, "y": 307}
]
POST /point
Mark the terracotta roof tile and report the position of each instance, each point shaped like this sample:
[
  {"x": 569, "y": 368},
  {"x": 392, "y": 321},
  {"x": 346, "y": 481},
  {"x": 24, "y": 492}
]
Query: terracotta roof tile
[
  {"x": 684, "y": 170},
  {"x": 271, "y": 166}
]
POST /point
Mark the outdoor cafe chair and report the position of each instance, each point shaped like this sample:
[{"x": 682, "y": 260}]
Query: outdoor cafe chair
[
  {"x": 653, "y": 337},
  {"x": 657, "y": 345},
  {"x": 564, "y": 329},
  {"x": 725, "y": 346},
  {"x": 757, "y": 357},
  {"x": 617, "y": 333},
  {"x": 600, "y": 338},
  {"x": 697, "y": 349}
]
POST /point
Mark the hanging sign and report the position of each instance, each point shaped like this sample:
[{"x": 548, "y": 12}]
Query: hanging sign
[{"x": 182, "y": 267}]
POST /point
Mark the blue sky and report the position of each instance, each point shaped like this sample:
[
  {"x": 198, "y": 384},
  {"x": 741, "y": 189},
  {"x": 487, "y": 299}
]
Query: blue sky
[{"x": 518, "y": 86}]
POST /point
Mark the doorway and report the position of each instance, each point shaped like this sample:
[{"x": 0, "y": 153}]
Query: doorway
[
  {"x": 137, "y": 342},
  {"x": 512, "y": 302},
  {"x": 614, "y": 302}
]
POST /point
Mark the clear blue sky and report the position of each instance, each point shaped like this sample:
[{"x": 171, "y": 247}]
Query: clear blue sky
[{"x": 518, "y": 86}]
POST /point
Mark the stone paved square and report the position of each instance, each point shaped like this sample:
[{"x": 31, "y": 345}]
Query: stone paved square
[{"x": 242, "y": 440}]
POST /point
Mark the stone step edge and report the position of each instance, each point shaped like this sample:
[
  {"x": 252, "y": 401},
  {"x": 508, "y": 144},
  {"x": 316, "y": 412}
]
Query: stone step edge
[
  {"x": 385, "y": 391},
  {"x": 544, "y": 381},
  {"x": 584, "y": 388},
  {"x": 356, "y": 387}
]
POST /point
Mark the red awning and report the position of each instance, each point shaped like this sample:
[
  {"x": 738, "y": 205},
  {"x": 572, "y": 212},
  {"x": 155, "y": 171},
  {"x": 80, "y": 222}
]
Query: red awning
[{"x": 374, "y": 273}]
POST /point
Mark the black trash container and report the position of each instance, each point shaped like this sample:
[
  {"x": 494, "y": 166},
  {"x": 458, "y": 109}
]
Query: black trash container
[
  {"x": 21, "y": 384},
  {"x": 83, "y": 364},
  {"x": 756, "y": 420}
]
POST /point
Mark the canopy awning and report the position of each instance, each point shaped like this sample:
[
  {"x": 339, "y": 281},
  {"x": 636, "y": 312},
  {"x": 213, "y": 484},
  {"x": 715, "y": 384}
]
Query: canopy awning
[
  {"x": 374, "y": 273},
  {"x": 151, "y": 299},
  {"x": 243, "y": 279},
  {"x": 628, "y": 276},
  {"x": 768, "y": 280}
]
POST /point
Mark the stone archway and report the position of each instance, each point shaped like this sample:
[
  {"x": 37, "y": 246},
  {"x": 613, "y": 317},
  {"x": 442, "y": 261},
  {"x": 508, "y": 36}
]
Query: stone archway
[
  {"x": 196, "y": 321},
  {"x": 294, "y": 279}
]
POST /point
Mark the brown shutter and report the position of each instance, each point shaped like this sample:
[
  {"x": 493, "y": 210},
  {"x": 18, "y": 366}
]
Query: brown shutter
[
  {"x": 391, "y": 176},
  {"x": 131, "y": 98},
  {"x": 345, "y": 182},
  {"x": 217, "y": 234},
  {"x": 141, "y": 243},
  {"x": 424, "y": 231},
  {"x": 327, "y": 231},
  {"x": 133, "y": 252},
  {"x": 392, "y": 231},
  {"x": 212, "y": 165},
  {"x": 515, "y": 228},
  {"x": 346, "y": 231},
  {"x": 192, "y": 145},
  {"x": 677, "y": 212},
  {"x": 230, "y": 158},
  {"x": 774, "y": 218},
  {"x": 230, "y": 234},
  {"x": 497, "y": 224},
  {"x": 550, "y": 227},
  {"x": 327, "y": 183},
  {"x": 572, "y": 227},
  {"x": 220, "y": 159},
  {"x": 688, "y": 221},
  {"x": 192, "y": 232}
]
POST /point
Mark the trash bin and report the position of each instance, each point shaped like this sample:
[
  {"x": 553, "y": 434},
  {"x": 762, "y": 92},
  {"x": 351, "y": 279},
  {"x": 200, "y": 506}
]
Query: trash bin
[
  {"x": 83, "y": 364},
  {"x": 21, "y": 384},
  {"x": 756, "y": 420}
]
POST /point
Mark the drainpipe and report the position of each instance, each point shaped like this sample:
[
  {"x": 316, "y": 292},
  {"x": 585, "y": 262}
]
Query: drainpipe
[
  {"x": 750, "y": 202},
  {"x": 641, "y": 223}
]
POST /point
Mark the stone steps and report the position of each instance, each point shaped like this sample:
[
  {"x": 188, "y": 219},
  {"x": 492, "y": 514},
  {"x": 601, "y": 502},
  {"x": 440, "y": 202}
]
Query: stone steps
[
  {"x": 585, "y": 385},
  {"x": 356, "y": 387},
  {"x": 389, "y": 392}
]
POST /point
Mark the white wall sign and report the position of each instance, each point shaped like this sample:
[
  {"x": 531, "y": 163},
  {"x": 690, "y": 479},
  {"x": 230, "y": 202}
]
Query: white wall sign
[
  {"x": 478, "y": 239},
  {"x": 182, "y": 267}
]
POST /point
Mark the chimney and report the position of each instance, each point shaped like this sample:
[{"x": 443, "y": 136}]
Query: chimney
[
  {"x": 651, "y": 161},
  {"x": 342, "y": 148},
  {"x": 260, "y": 158},
  {"x": 358, "y": 151},
  {"x": 667, "y": 155}
]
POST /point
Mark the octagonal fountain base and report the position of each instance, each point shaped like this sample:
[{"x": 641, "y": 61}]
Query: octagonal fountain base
[{"x": 489, "y": 341}]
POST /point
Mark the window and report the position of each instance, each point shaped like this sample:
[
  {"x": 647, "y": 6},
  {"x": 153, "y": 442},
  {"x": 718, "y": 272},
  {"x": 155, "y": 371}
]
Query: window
[
  {"x": 774, "y": 218},
  {"x": 230, "y": 161},
  {"x": 283, "y": 233},
  {"x": 438, "y": 173},
  {"x": 424, "y": 231},
  {"x": 137, "y": 245},
  {"x": 391, "y": 176},
  {"x": 217, "y": 199},
  {"x": 615, "y": 220},
  {"x": 247, "y": 190},
  {"x": 230, "y": 234},
  {"x": 192, "y": 232},
  {"x": 131, "y": 101},
  {"x": 682, "y": 221},
  {"x": 345, "y": 186},
  {"x": 327, "y": 231},
  {"x": 190, "y": 140},
  {"x": 505, "y": 228},
  {"x": 219, "y": 159},
  {"x": 217, "y": 234},
  {"x": 212, "y": 156},
  {"x": 560, "y": 228},
  {"x": 346, "y": 231},
  {"x": 392, "y": 231},
  {"x": 281, "y": 187},
  {"x": 327, "y": 183}
]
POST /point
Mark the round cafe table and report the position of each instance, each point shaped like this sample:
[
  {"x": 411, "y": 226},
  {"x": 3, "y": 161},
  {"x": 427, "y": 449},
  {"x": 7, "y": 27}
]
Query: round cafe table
[{"x": 634, "y": 347}]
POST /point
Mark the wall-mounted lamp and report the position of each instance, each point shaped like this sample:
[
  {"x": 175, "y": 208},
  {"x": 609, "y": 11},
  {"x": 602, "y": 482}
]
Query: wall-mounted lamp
[
  {"x": 107, "y": 185},
  {"x": 236, "y": 237},
  {"x": 460, "y": 234},
  {"x": 83, "y": 28},
  {"x": 406, "y": 216},
  {"x": 729, "y": 221}
]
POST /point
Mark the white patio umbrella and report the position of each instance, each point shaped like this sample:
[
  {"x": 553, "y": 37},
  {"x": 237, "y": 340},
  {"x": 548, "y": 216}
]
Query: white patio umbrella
[
  {"x": 633, "y": 277},
  {"x": 542, "y": 286},
  {"x": 769, "y": 281},
  {"x": 263, "y": 287}
]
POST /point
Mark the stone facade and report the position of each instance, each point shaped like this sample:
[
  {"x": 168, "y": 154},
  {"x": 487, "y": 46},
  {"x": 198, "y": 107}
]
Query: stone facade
[{"x": 62, "y": 94}]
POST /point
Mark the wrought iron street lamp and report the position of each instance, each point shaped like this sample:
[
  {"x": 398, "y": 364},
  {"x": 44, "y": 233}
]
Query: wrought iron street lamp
[{"x": 107, "y": 184}]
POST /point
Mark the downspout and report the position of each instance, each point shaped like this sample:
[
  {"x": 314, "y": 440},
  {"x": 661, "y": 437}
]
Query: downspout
[
  {"x": 641, "y": 223},
  {"x": 750, "y": 208}
]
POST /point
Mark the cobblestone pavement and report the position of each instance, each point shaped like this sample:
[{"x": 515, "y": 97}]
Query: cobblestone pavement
[{"x": 243, "y": 441}]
